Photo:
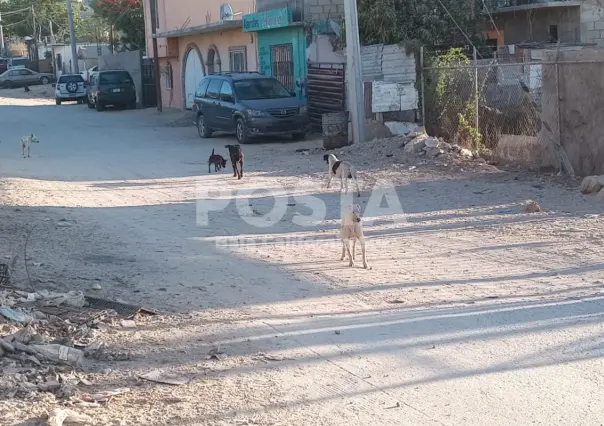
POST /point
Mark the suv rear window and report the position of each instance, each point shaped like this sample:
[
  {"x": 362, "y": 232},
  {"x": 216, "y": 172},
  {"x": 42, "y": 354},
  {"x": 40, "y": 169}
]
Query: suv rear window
[
  {"x": 260, "y": 88},
  {"x": 117, "y": 77},
  {"x": 69, "y": 78}
]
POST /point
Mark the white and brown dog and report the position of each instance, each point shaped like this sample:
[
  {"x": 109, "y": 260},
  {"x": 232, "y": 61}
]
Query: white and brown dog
[
  {"x": 26, "y": 142},
  {"x": 342, "y": 170},
  {"x": 351, "y": 230}
]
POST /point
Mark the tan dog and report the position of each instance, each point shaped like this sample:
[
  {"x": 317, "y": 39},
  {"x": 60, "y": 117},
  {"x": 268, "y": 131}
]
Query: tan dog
[
  {"x": 26, "y": 142},
  {"x": 351, "y": 230}
]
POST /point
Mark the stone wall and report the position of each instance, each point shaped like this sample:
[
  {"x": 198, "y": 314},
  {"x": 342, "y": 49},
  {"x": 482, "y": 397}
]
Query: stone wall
[
  {"x": 592, "y": 23},
  {"x": 322, "y": 10}
]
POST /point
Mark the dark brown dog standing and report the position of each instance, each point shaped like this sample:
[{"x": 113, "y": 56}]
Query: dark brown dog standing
[
  {"x": 236, "y": 159},
  {"x": 217, "y": 160}
]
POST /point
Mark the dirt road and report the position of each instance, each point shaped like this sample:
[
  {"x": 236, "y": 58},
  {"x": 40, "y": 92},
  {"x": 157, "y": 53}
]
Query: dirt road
[{"x": 473, "y": 312}]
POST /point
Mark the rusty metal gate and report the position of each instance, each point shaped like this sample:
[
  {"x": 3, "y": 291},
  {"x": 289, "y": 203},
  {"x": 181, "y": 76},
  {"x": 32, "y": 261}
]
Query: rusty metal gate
[
  {"x": 282, "y": 58},
  {"x": 148, "y": 79},
  {"x": 326, "y": 91}
]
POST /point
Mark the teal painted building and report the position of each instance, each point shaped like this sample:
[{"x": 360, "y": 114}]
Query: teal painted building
[{"x": 281, "y": 46}]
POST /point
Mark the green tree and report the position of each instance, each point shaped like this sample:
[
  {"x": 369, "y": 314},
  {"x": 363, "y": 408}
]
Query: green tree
[
  {"x": 35, "y": 18},
  {"x": 428, "y": 22},
  {"x": 94, "y": 29},
  {"x": 126, "y": 18}
]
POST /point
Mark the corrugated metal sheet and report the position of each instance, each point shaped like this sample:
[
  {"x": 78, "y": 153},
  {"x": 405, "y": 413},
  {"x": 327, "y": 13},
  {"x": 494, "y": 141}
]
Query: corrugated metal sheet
[
  {"x": 326, "y": 91},
  {"x": 390, "y": 64},
  {"x": 371, "y": 58}
]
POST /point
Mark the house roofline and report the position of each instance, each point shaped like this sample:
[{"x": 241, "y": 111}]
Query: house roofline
[{"x": 202, "y": 29}]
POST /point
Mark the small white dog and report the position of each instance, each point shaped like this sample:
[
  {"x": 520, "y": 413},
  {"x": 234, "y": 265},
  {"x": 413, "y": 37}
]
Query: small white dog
[
  {"x": 351, "y": 229},
  {"x": 26, "y": 142},
  {"x": 342, "y": 170}
]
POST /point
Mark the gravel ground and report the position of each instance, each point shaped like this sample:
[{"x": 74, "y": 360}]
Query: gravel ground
[{"x": 474, "y": 311}]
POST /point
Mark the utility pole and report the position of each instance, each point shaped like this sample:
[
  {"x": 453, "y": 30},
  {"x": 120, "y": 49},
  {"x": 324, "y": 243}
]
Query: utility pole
[
  {"x": 356, "y": 100},
  {"x": 1, "y": 36},
  {"x": 154, "y": 24},
  {"x": 72, "y": 39}
]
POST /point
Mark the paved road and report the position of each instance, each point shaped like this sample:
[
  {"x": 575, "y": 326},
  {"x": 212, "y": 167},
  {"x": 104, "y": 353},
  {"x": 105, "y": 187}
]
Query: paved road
[{"x": 359, "y": 347}]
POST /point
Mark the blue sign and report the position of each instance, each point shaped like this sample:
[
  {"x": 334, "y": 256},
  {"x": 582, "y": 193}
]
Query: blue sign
[{"x": 267, "y": 20}]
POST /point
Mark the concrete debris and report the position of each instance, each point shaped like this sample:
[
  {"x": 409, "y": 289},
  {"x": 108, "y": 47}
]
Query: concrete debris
[
  {"x": 532, "y": 207},
  {"x": 44, "y": 338},
  {"x": 159, "y": 377},
  {"x": 215, "y": 353},
  {"x": 416, "y": 145},
  {"x": 466, "y": 153},
  {"x": 105, "y": 396},
  {"x": 59, "y": 416},
  {"x": 592, "y": 184}
]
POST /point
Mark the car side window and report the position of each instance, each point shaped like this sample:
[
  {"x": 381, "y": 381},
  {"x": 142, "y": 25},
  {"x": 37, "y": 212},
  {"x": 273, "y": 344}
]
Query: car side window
[
  {"x": 226, "y": 92},
  {"x": 201, "y": 89},
  {"x": 12, "y": 73},
  {"x": 25, "y": 72},
  {"x": 214, "y": 89}
]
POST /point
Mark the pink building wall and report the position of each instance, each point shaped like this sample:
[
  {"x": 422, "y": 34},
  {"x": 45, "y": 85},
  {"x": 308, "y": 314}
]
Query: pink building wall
[{"x": 178, "y": 14}]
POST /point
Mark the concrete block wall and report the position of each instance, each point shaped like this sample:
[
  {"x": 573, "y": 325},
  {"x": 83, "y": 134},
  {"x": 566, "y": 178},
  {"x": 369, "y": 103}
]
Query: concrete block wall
[
  {"x": 322, "y": 10},
  {"x": 592, "y": 23}
]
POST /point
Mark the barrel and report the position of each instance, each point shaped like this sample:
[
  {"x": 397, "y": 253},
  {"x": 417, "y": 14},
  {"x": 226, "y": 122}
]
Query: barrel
[{"x": 335, "y": 129}]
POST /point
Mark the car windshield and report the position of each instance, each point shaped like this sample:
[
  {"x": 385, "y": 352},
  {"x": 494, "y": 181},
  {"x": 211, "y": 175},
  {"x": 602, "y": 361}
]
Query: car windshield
[
  {"x": 69, "y": 78},
  {"x": 260, "y": 88},
  {"x": 115, "y": 78}
]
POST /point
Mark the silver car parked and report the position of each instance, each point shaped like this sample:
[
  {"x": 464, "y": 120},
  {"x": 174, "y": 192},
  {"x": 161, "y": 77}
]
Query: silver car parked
[{"x": 22, "y": 76}]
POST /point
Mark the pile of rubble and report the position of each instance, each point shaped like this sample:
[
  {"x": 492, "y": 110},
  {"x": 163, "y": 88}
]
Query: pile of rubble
[
  {"x": 593, "y": 185},
  {"x": 45, "y": 339},
  {"x": 414, "y": 146}
]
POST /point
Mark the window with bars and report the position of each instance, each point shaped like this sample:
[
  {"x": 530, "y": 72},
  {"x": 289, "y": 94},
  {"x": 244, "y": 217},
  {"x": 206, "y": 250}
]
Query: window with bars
[{"x": 237, "y": 59}]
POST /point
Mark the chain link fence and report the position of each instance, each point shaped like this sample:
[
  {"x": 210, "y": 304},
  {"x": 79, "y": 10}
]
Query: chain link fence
[
  {"x": 472, "y": 101},
  {"x": 541, "y": 112}
]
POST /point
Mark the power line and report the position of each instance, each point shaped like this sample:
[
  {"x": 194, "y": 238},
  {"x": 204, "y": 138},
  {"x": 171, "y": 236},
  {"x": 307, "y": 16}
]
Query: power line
[
  {"x": 458, "y": 27},
  {"x": 491, "y": 18}
]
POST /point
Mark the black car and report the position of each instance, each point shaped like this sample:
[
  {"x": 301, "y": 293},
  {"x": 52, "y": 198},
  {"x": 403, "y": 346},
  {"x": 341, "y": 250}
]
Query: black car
[
  {"x": 111, "y": 87},
  {"x": 249, "y": 104}
]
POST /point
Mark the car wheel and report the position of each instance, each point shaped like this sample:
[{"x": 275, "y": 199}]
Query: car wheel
[
  {"x": 99, "y": 106},
  {"x": 132, "y": 105},
  {"x": 7, "y": 84},
  {"x": 298, "y": 136},
  {"x": 241, "y": 131},
  {"x": 202, "y": 129},
  {"x": 44, "y": 80},
  {"x": 58, "y": 101}
]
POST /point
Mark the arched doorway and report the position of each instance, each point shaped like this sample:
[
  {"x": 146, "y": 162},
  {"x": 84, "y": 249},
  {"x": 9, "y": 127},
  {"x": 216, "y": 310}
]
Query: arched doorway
[
  {"x": 213, "y": 63},
  {"x": 193, "y": 72}
]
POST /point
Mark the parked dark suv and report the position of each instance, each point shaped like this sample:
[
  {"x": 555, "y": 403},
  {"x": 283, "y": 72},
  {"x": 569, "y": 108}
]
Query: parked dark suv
[
  {"x": 249, "y": 104},
  {"x": 111, "y": 87}
]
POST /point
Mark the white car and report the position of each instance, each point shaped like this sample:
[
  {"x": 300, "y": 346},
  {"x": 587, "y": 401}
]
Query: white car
[
  {"x": 90, "y": 72},
  {"x": 71, "y": 87}
]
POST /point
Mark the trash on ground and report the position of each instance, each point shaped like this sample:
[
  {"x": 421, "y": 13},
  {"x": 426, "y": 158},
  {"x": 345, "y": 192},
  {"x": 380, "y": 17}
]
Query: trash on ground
[
  {"x": 15, "y": 316},
  {"x": 215, "y": 353},
  {"x": 159, "y": 377},
  {"x": 105, "y": 396},
  {"x": 268, "y": 357}
]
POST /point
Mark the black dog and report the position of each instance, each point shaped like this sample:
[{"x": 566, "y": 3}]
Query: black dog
[
  {"x": 217, "y": 161},
  {"x": 236, "y": 159}
]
